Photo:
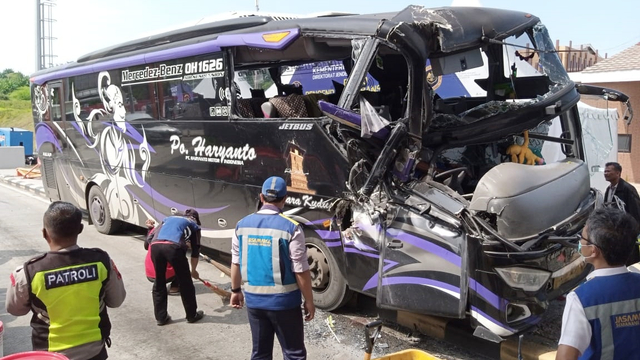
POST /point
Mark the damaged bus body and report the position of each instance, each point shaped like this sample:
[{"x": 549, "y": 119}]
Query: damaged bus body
[{"x": 405, "y": 191}]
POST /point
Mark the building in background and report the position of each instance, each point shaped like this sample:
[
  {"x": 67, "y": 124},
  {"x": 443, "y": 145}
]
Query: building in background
[
  {"x": 573, "y": 59},
  {"x": 578, "y": 59},
  {"x": 620, "y": 72}
]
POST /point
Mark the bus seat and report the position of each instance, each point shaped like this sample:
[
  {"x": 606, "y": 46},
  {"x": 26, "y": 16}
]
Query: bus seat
[
  {"x": 250, "y": 108},
  {"x": 290, "y": 106},
  {"x": 257, "y": 93},
  {"x": 244, "y": 108},
  {"x": 268, "y": 110}
]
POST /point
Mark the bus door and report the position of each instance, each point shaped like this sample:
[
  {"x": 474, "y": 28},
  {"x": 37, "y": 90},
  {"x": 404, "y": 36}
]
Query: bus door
[
  {"x": 69, "y": 184},
  {"x": 54, "y": 160},
  {"x": 422, "y": 266}
]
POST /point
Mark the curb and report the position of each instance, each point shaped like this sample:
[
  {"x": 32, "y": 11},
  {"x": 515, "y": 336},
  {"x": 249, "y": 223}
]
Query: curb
[{"x": 24, "y": 184}]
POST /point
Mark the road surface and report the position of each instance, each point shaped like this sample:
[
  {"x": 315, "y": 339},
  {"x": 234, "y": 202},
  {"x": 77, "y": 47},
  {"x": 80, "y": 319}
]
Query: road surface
[{"x": 223, "y": 333}]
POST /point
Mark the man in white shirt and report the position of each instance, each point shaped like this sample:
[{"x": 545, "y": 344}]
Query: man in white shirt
[{"x": 601, "y": 317}]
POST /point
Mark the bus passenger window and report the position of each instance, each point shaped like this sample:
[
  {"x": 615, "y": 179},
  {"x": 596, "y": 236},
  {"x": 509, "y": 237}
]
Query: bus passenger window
[
  {"x": 140, "y": 102},
  {"x": 195, "y": 99},
  {"x": 293, "y": 93},
  {"x": 56, "y": 110},
  {"x": 253, "y": 87}
]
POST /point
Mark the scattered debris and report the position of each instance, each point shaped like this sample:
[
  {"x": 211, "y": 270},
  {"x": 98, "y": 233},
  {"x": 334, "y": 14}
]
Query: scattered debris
[{"x": 330, "y": 323}]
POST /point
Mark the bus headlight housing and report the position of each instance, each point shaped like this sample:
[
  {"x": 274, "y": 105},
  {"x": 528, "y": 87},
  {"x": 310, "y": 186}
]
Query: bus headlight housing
[{"x": 524, "y": 278}]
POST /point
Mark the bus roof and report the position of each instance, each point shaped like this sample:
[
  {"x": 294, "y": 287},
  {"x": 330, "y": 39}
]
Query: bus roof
[{"x": 459, "y": 28}]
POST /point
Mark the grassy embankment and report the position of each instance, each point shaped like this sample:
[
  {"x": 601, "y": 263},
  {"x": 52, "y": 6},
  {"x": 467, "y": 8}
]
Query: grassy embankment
[{"x": 16, "y": 113}]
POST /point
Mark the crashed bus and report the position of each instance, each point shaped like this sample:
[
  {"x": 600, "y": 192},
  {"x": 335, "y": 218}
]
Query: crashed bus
[{"x": 404, "y": 185}]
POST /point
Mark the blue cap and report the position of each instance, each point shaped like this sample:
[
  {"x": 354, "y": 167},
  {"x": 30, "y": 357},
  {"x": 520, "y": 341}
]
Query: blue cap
[{"x": 274, "y": 187}]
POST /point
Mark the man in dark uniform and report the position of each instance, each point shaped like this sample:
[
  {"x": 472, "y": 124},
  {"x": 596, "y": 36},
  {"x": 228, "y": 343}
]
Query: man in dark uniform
[
  {"x": 174, "y": 236},
  {"x": 269, "y": 252},
  {"x": 68, "y": 290},
  {"x": 624, "y": 196}
]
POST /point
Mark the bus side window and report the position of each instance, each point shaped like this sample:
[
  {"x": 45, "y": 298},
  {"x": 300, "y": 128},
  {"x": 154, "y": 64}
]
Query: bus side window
[
  {"x": 253, "y": 87},
  {"x": 140, "y": 101},
  {"x": 56, "y": 109}
]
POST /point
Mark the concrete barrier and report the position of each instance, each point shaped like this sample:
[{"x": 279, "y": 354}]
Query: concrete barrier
[{"x": 11, "y": 157}]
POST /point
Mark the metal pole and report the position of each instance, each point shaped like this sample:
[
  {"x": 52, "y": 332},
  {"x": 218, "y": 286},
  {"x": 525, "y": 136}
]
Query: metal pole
[
  {"x": 257, "y": 7},
  {"x": 38, "y": 37}
]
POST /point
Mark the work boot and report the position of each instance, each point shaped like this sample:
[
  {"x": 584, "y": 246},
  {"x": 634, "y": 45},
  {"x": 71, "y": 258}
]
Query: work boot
[
  {"x": 198, "y": 317},
  {"x": 165, "y": 321}
]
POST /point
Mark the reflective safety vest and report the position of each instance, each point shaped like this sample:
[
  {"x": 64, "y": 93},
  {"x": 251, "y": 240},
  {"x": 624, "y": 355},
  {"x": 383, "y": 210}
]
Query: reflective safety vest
[
  {"x": 265, "y": 262},
  {"x": 612, "y": 306},
  {"x": 65, "y": 290}
]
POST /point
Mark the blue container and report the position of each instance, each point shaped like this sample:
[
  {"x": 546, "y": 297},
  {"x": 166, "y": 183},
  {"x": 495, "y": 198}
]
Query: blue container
[{"x": 17, "y": 137}]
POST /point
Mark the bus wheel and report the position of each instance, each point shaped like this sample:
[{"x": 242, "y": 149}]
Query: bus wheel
[
  {"x": 99, "y": 212},
  {"x": 330, "y": 290}
]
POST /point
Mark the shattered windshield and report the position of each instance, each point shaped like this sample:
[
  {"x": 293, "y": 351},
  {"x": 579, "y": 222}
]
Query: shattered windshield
[
  {"x": 550, "y": 63},
  {"x": 502, "y": 77},
  {"x": 530, "y": 67},
  {"x": 596, "y": 131}
]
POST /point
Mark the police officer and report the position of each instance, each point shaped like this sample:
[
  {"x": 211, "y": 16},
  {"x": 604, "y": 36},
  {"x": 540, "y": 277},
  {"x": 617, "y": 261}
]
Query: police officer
[
  {"x": 174, "y": 236},
  {"x": 274, "y": 265},
  {"x": 68, "y": 289},
  {"x": 600, "y": 319}
]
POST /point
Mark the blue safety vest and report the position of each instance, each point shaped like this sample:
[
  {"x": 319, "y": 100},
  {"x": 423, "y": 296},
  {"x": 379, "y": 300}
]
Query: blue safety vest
[
  {"x": 612, "y": 306},
  {"x": 265, "y": 263}
]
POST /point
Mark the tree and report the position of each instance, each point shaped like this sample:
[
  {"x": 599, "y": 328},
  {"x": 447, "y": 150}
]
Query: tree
[{"x": 11, "y": 81}]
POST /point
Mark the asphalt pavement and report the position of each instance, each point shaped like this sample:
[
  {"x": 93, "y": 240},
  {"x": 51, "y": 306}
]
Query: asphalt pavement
[{"x": 224, "y": 333}]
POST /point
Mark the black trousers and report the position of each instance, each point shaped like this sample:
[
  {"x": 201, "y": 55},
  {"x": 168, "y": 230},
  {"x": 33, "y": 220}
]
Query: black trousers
[
  {"x": 161, "y": 254},
  {"x": 102, "y": 355},
  {"x": 285, "y": 324}
]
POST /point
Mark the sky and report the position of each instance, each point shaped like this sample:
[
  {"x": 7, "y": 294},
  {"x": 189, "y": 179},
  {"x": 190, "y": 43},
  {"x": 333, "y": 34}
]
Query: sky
[{"x": 83, "y": 26}]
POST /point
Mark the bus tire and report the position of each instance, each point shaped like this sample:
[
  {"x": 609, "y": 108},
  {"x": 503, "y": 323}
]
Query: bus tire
[
  {"x": 100, "y": 213},
  {"x": 330, "y": 289}
]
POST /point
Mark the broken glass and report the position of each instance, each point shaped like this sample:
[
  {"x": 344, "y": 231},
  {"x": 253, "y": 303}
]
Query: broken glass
[
  {"x": 596, "y": 132},
  {"x": 356, "y": 48},
  {"x": 550, "y": 63},
  {"x": 371, "y": 122}
]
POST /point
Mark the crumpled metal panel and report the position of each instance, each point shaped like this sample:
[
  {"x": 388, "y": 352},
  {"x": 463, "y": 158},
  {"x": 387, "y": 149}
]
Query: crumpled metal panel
[{"x": 478, "y": 22}]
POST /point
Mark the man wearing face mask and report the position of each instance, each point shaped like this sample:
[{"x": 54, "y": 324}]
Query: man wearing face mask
[{"x": 601, "y": 317}]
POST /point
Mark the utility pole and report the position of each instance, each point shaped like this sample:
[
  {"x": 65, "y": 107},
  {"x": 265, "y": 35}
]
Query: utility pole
[
  {"x": 257, "y": 7},
  {"x": 38, "y": 31},
  {"x": 44, "y": 34}
]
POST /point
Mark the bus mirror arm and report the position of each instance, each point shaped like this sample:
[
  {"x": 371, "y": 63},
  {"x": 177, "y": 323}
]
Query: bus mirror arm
[
  {"x": 628, "y": 113},
  {"x": 387, "y": 155}
]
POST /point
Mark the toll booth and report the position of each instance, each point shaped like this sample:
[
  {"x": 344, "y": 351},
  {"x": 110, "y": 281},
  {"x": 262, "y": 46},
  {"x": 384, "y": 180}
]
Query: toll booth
[{"x": 17, "y": 137}]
